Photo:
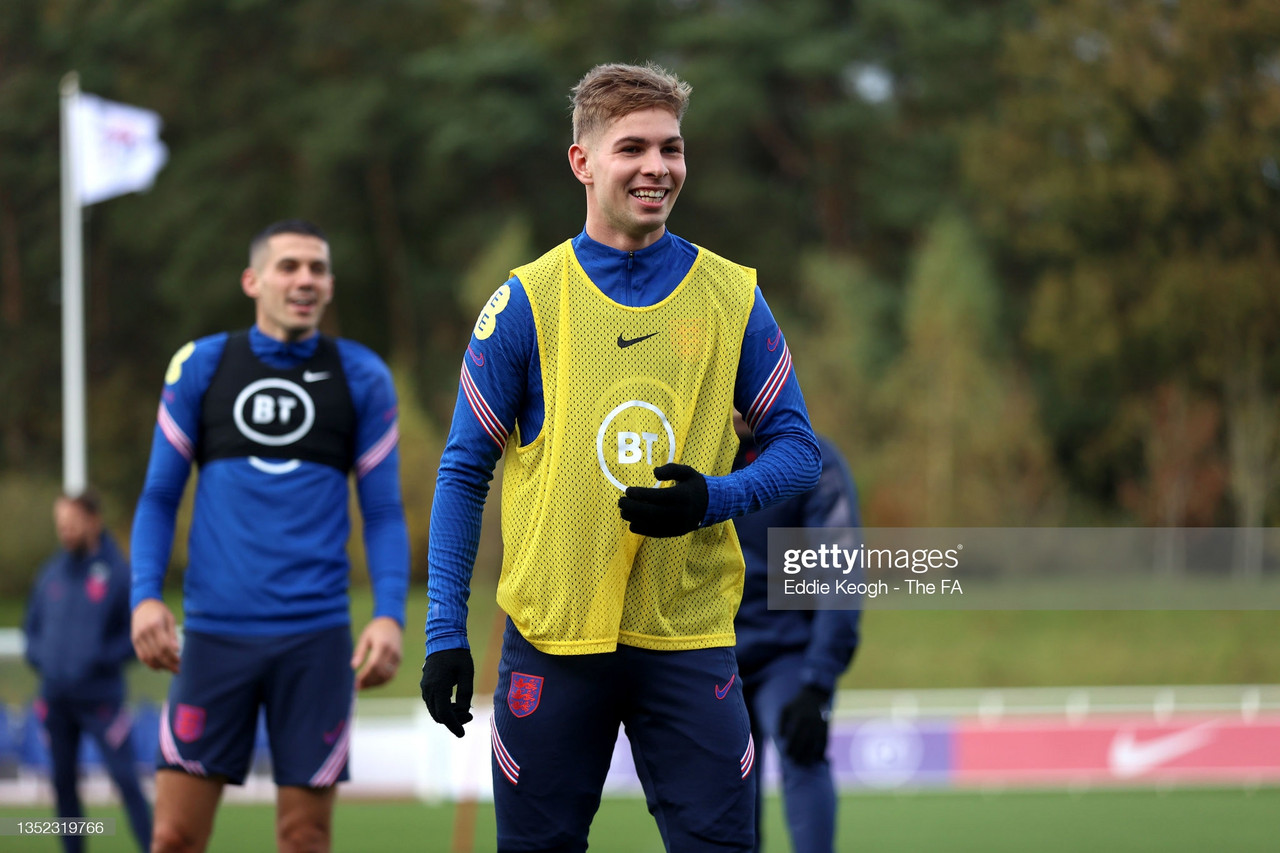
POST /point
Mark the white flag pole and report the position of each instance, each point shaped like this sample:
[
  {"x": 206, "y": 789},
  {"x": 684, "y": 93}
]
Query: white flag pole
[{"x": 74, "y": 455}]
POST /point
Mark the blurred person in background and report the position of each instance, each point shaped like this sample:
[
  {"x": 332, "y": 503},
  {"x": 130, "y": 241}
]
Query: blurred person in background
[
  {"x": 77, "y": 633},
  {"x": 790, "y": 660},
  {"x": 609, "y": 365},
  {"x": 276, "y": 418}
]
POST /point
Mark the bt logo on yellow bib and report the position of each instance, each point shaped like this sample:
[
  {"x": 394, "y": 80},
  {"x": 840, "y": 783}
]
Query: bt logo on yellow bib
[{"x": 635, "y": 438}]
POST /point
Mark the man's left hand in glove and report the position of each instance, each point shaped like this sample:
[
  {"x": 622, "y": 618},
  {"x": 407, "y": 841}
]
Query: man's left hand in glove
[{"x": 673, "y": 511}]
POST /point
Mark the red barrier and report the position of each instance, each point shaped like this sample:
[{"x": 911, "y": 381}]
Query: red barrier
[{"x": 1117, "y": 750}]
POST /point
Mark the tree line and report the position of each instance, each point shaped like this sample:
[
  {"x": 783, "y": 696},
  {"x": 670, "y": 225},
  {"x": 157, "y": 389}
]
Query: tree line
[{"x": 1025, "y": 252}]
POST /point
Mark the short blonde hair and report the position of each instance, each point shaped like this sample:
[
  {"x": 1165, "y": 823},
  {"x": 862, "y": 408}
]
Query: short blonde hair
[{"x": 607, "y": 92}]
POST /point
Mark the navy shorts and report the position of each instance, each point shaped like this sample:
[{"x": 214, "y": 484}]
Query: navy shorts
[
  {"x": 303, "y": 682},
  {"x": 556, "y": 719}
]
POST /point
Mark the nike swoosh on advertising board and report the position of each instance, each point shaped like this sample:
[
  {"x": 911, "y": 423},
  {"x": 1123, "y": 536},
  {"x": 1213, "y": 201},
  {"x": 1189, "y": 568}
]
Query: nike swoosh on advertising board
[{"x": 1128, "y": 757}]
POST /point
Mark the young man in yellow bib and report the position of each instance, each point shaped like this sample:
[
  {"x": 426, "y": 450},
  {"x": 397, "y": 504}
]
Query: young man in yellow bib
[{"x": 601, "y": 371}]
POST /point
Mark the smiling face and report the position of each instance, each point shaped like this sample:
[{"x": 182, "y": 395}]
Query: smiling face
[
  {"x": 291, "y": 281},
  {"x": 633, "y": 169}
]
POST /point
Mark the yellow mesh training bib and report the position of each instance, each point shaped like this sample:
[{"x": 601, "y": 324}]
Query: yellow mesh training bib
[{"x": 626, "y": 390}]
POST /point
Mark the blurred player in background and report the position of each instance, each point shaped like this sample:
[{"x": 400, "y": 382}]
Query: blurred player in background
[
  {"x": 275, "y": 418},
  {"x": 790, "y": 660},
  {"x": 610, "y": 364},
  {"x": 77, "y": 632}
]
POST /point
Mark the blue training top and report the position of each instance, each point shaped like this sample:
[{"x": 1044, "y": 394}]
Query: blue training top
[
  {"x": 77, "y": 624},
  {"x": 267, "y": 551},
  {"x": 827, "y": 639},
  {"x": 501, "y": 391}
]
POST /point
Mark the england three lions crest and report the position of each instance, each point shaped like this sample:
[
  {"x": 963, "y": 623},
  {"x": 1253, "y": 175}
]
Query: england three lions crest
[
  {"x": 188, "y": 722},
  {"x": 524, "y": 694}
]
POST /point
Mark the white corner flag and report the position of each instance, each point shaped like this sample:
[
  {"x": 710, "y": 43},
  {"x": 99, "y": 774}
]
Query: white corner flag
[
  {"x": 107, "y": 149},
  {"x": 117, "y": 148}
]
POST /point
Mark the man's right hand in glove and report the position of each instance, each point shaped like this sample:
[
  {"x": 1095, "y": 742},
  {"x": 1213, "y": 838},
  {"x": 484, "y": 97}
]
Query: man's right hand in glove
[
  {"x": 804, "y": 723},
  {"x": 441, "y": 673}
]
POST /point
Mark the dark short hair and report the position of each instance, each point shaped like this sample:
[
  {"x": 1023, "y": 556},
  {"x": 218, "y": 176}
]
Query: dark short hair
[
  {"x": 284, "y": 226},
  {"x": 87, "y": 499}
]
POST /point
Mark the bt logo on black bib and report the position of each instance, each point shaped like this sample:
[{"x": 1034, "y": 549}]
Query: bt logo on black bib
[{"x": 274, "y": 412}]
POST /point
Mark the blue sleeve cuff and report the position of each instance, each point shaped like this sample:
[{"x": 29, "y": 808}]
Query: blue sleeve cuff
[
  {"x": 441, "y": 641},
  {"x": 819, "y": 677},
  {"x": 391, "y": 613},
  {"x": 141, "y": 594},
  {"x": 717, "y": 503}
]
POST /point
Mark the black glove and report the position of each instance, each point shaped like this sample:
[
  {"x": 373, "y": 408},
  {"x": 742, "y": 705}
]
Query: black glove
[
  {"x": 441, "y": 672},
  {"x": 803, "y": 725},
  {"x": 673, "y": 511}
]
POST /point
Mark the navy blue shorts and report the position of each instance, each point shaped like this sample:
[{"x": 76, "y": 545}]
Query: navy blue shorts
[
  {"x": 555, "y": 722},
  {"x": 303, "y": 682}
]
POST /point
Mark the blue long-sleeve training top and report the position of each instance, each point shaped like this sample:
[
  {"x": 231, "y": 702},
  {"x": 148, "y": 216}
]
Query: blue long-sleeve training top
[
  {"x": 500, "y": 392},
  {"x": 267, "y": 549}
]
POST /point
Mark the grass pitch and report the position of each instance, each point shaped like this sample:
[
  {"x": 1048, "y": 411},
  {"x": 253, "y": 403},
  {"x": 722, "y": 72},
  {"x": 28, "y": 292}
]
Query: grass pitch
[{"x": 1131, "y": 821}]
